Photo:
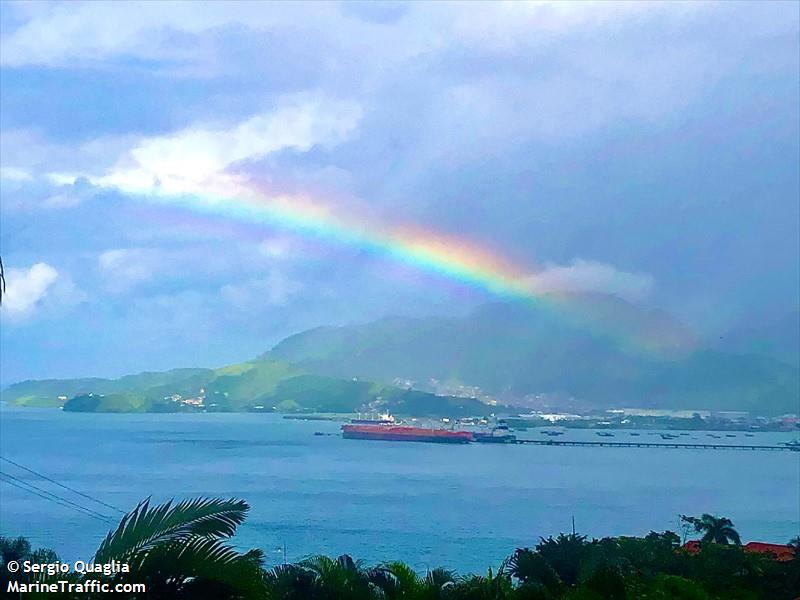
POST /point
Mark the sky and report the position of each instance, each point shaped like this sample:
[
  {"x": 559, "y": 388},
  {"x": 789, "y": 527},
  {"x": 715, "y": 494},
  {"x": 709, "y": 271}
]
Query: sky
[{"x": 647, "y": 150}]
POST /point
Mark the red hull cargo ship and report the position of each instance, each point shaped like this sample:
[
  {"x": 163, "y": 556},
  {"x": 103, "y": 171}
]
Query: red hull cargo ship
[{"x": 401, "y": 433}]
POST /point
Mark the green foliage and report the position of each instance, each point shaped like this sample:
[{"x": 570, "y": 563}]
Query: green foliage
[
  {"x": 271, "y": 385},
  {"x": 669, "y": 587},
  {"x": 717, "y": 530},
  {"x": 123, "y": 402},
  {"x": 146, "y": 527},
  {"x": 32, "y": 401},
  {"x": 564, "y": 554},
  {"x": 242, "y": 386},
  {"x": 182, "y": 550},
  {"x": 19, "y": 549},
  {"x": 51, "y": 389}
]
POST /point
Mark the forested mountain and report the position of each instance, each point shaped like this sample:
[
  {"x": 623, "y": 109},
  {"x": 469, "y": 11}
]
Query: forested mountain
[
  {"x": 600, "y": 349},
  {"x": 597, "y": 350}
]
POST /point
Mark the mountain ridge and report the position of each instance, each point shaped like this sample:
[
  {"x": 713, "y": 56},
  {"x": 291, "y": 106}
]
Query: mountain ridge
[
  {"x": 585, "y": 350},
  {"x": 514, "y": 350}
]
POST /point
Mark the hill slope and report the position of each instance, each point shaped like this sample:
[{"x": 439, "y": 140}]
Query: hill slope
[
  {"x": 254, "y": 385},
  {"x": 513, "y": 350},
  {"x": 590, "y": 350},
  {"x": 778, "y": 338}
]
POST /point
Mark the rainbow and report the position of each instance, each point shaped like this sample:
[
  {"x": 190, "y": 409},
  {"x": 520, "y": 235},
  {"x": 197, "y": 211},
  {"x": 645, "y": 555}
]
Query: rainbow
[{"x": 446, "y": 256}]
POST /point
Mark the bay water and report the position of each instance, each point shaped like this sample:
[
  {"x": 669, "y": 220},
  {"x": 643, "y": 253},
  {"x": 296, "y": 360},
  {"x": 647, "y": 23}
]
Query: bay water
[{"x": 461, "y": 507}]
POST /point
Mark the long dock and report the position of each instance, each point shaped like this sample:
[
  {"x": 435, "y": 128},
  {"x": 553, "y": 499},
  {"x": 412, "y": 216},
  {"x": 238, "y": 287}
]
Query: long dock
[{"x": 657, "y": 445}]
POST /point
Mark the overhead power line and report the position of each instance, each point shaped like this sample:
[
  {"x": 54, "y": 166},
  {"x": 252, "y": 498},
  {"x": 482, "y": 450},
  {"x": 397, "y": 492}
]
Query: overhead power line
[
  {"x": 59, "y": 484},
  {"x": 37, "y": 491}
]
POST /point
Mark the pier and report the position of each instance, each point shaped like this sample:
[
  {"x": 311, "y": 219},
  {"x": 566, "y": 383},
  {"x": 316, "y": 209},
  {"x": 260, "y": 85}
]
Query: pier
[{"x": 680, "y": 445}]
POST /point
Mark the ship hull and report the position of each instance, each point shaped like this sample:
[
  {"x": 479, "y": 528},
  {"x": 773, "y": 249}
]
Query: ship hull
[{"x": 405, "y": 434}]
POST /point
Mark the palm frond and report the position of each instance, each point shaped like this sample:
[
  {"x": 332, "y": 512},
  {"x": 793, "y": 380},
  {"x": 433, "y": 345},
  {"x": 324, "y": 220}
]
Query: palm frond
[
  {"x": 406, "y": 577},
  {"x": 198, "y": 562},
  {"x": 146, "y": 526},
  {"x": 439, "y": 577},
  {"x": 291, "y": 582}
]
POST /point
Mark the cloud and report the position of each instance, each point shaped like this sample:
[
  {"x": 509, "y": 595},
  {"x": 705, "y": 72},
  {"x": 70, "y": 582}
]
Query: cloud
[
  {"x": 274, "y": 290},
  {"x": 197, "y": 158},
  {"x": 206, "y": 265},
  {"x": 15, "y": 174},
  {"x": 64, "y": 33},
  {"x": 591, "y": 276},
  {"x": 54, "y": 32},
  {"x": 478, "y": 82},
  {"x": 26, "y": 288},
  {"x": 124, "y": 268},
  {"x": 29, "y": 153}
]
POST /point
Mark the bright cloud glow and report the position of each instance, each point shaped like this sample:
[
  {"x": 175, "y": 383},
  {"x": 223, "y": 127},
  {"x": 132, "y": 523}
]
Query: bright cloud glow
[
  {"x": 26, "y": 288},
  {"x": 191, "y": 160},
  {"x": 591, "y": 276}
]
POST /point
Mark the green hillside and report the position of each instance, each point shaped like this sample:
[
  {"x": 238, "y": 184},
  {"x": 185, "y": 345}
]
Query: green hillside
[
  {"x": 262, "y": 385},
  {"x": 597, "y": 352},
  {"x": 612, "y": 353},
  {"x": 46, "y": 393}
]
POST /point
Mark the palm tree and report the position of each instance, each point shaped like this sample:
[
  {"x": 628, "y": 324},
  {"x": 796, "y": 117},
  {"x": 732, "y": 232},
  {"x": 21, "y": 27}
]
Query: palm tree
[
  {"x": 19, "y": 550},
  {"x": 532, "y": 570},
  {"x": 716, "y": 530},
  {"x": 564, "y": 554},
  {"x": 290, "y": 582},
  {"x": 342, "y": 577},
  {"x": 489, "y": 587},
  {"x": 179, "y": 550},
  {"x": 396, "y": 580}
]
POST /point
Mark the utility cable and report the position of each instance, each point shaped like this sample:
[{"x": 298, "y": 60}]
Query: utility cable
[
  {"x": 66, "y": 487},
  {"x": 29, "y": 487}
]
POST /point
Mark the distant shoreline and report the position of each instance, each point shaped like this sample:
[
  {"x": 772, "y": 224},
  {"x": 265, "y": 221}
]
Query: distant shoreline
[{"x": 516, "y": 423}]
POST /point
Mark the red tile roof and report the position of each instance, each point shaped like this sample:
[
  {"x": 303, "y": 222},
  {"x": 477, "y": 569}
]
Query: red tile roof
[
  {"x": 780, "y": 551},
  {"x": 692, "y": 546}
]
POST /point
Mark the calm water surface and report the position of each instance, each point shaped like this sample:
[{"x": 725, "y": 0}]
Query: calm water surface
[{"x": 463, "y": 507}]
